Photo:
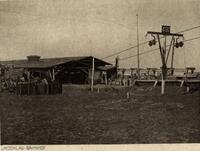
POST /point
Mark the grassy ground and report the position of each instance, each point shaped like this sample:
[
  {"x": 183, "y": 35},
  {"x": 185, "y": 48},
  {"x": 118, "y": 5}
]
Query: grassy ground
[{"x": 81, "y": 117}]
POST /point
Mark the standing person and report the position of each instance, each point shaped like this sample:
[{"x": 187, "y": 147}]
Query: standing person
[
  {"x": 25, "y": 76},
  {"x": 46, "y": 87}
]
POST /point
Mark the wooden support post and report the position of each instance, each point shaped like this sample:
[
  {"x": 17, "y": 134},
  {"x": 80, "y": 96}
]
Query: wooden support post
[
  {"x": 50, "y": 75},
  {"x": 28, "y": 76},
  {"x": 163, "y": 50},
  {"x": 163, "y": 86},
  {"x": 172, "y": 60},
  {"x": 28, "y": 83},
  {"x": 92, "y": 78},
  {"x": 106, "y": 79},
  {"x": 155, "y": 83},
  {"x": 53, "y": 74},
  {"x": 182, "y": 82},
  {"x": 138, "y": 51}
]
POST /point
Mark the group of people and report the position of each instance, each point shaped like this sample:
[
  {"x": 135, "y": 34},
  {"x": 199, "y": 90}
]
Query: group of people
[{"x": 10, "y": 84}]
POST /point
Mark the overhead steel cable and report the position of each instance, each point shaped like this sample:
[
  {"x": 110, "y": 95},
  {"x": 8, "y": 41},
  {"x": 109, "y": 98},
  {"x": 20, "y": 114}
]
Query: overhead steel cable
[
  {"x": 119, "y": 52},
  {"x": 152, "y": 50},
  {"x": 124, "y": 50}
]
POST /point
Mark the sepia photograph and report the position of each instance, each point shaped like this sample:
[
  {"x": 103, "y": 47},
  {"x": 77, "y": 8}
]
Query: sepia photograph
[{"x": 99, "y": 72}]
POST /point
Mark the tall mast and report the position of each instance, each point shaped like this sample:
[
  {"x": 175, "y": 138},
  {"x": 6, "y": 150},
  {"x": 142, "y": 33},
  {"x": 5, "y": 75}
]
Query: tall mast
[{"x": 138, "y": 51}]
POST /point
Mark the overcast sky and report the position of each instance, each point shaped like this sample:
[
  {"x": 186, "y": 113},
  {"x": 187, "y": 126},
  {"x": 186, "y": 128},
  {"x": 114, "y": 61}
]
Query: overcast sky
[{"x": 58, "y": 28}]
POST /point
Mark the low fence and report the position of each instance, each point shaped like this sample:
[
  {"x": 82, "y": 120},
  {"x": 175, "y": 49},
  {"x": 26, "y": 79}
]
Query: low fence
[{"x": 30, "y": 88}]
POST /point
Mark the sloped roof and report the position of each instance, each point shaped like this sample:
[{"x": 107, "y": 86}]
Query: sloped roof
[
  {"x": 49, "y": 62},
  {"x": 106, "y": 68}
]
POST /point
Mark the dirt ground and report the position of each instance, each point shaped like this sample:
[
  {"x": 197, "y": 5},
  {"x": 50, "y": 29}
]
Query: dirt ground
[{"x": 108, "y": 116}]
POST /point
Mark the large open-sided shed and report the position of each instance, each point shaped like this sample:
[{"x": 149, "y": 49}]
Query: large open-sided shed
[{"x": 64, "y": 70}]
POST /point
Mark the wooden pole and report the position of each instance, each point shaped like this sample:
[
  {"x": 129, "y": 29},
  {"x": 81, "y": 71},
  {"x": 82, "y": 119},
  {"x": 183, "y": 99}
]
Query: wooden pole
[
  {"x": 163, "y": 87},
  {"x": 28, "y": 75},
  {"x": 138, "y": 51},
  {"x": 106, "y": 79},
  {"x": 172, "y": 60},
  {"x": 53, "y": 74},
  {"x": 92, "y": 76},
  {"x": 163, "y": 69},
  {"x": 165, "y": 32}
]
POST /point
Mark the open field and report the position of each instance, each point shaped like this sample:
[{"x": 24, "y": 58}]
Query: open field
[{"x": 81, "y": 117}]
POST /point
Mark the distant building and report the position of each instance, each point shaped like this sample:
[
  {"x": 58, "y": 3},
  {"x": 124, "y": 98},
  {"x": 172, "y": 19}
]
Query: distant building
[{"x": 75, "y": 70}]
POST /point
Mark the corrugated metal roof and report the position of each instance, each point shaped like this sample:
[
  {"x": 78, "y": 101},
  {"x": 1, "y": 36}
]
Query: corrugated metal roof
[{"x": 47, "y": 62}]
